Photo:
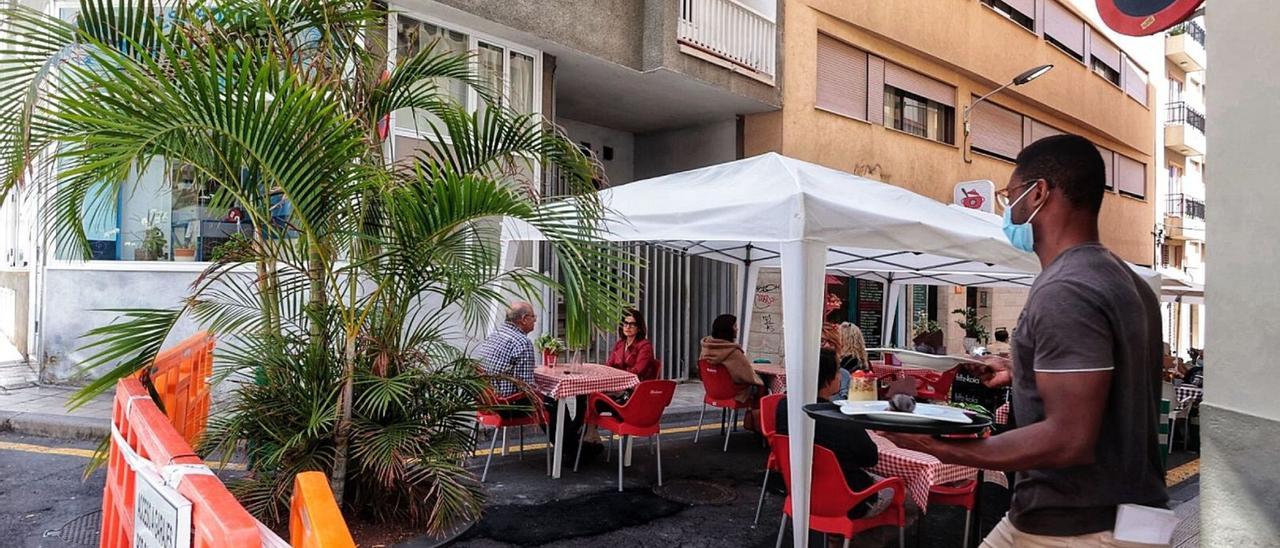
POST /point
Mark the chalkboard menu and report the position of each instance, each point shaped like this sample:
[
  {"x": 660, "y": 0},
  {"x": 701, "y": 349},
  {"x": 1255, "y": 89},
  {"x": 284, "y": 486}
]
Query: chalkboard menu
[
  {"x": 919, "y": 302},
  {"x": 869, "y": 301}
]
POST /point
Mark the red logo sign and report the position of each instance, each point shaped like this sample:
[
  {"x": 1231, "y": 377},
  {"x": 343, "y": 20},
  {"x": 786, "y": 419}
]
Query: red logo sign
[{"x": 972, "y": 199}]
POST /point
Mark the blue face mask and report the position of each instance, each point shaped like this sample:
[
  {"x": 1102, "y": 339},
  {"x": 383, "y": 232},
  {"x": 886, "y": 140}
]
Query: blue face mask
[{"x": 1020, "y": 235}]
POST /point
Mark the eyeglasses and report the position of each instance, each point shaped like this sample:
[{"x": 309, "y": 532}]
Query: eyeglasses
[
  {"x": 1002, "y": 195},
  {"x": 625, "y": 323}
]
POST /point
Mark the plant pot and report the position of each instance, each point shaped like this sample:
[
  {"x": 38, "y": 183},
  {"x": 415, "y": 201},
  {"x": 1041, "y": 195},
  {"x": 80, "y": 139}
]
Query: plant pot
[
  {"x": 969, "y": 344},
  {"x": 141, "y": 254},
  {"x": 549, "y": 359},
  {"x": 184, "y": 254}
]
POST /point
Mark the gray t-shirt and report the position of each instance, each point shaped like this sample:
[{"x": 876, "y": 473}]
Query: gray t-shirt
[{"x": 1088, "y": 311}]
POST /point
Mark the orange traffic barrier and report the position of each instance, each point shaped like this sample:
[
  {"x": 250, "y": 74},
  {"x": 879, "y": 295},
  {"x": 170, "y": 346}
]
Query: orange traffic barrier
[
  {"x": 180, "y": 376},
  {"x": 144, "y": 441},
  {"x": 314, "y": 518}
]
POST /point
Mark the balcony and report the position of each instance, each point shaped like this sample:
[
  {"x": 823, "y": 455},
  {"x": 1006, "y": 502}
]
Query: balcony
[
  {"x": 731, "y": 34},
  {"x": 1184, "y": 130},
  {"x": 1184, "y": 45},
  {"x": 1184, "y": 218}
]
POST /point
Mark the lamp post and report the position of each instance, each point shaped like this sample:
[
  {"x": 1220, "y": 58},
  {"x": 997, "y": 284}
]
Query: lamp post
[{"x": 1026, "y": 76}]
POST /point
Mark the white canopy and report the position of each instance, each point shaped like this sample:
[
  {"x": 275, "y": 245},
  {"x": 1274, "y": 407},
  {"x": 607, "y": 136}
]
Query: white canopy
[{"x": 771, "y": 210}]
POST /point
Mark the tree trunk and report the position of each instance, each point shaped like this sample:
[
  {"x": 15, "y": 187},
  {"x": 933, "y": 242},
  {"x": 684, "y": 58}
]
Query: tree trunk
[{"x": 342, "y": 437}]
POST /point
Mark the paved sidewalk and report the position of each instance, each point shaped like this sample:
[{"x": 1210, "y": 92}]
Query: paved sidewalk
[{"x": 42, "y": 411}]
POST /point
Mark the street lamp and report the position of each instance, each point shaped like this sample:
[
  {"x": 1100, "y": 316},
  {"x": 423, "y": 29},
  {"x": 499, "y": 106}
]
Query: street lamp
[{"x": 1026, "y": 76}]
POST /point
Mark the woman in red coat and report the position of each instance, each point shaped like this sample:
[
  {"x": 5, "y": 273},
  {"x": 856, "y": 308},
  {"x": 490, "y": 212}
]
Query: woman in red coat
[{"x": 633, "y": 352}]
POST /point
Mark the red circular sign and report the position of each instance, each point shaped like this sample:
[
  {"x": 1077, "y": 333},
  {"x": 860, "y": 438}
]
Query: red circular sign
[{"x": 1144, "y": 17}]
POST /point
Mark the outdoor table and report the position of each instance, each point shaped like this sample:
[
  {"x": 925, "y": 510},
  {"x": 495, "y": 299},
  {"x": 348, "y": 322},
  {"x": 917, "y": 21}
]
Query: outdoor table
[
  {"x": 1002, "y": 414},
  {"x": 919, "y": 471},
  {"x": 566, "y": 382},
  {"x": 1186, "y": 391},
  {"x": 881, "y": 370},
  {"x": 776, "y": 376}
]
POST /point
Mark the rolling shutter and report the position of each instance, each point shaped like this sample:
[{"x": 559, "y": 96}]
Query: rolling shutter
[
  {"x": 1135, "y": 81},
  {"x": 1025, "y": 7},
  {"x": 1040, "y": 131},
  {"x": 875, "y": 87},
  {"x": 842, "y": 78},
  {"x": 996, "y": 130},
  {"x": 1105, "y": 52},
  {"x": 1131, "y": 176},
  {"x": 1108, "y": 160},
  {"x": 1064, "y": 26},
  {"x": 919, "y": 84}
]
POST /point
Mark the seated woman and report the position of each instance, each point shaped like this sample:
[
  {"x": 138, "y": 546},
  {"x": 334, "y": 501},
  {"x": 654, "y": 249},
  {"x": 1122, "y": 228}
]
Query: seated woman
[
  {"x": 851, "y": 444},
  {"x": 720, "y": 349},
  {"x": 851, "y": 353},
  {"x": 831, "y": 341},
  {"x": 632, "y": 352}
]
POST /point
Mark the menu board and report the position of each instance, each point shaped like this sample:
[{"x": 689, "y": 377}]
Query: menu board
[
  {"x": 919, "y": 302},
  {"x": 869, "y": 306}
]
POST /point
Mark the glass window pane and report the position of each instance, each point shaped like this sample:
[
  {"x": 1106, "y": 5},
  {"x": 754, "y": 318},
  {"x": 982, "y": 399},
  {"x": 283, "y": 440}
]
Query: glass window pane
[
  {"x": 144, "y": 215},
  {"x": 521, "y": 95},
  {"x": 413, "y": 37},
  {"x": 490, "y": 60}
]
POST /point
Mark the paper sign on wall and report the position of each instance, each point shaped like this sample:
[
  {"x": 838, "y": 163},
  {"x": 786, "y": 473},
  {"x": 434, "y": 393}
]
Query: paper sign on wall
[{"x": 979, "y": 195}]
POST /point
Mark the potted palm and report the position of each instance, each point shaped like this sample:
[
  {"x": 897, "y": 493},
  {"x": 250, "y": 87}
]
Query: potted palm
[
  {"x": 926, "y": 333},
  {"x": 974, "y": 331},
  {"x": 151, "y": 240},
  {"x": 184, "y": 246},
  {"x": 550, "y": 346}
]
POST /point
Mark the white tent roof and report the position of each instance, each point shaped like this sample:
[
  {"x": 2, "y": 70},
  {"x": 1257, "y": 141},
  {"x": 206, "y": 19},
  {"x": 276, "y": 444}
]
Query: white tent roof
[{"x": 741, "y": 211}]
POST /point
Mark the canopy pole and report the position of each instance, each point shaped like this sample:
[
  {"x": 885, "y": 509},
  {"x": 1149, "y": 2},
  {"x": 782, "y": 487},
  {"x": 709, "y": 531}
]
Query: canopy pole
[
  {"x": 890, "y": 308},
  {"x": 748, "y": 305},
  {"x": 507, "y": 254},
  {"x": 803, "y": 274}
]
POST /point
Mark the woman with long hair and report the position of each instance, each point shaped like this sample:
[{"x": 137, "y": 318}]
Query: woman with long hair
[
  {"x": 632, "y": 352},
  {"x": 852, "y": 349}
]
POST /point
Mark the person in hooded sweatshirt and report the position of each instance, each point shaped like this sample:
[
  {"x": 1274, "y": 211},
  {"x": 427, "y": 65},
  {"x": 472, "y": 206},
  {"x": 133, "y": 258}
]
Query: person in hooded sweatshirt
[{"x": 720, "y": 348}]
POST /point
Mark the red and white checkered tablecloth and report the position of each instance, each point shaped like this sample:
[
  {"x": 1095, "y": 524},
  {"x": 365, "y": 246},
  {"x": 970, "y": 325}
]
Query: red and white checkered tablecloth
[
  {"x": 774, "y": 375},
  {"x": 919, "y": 470},
  {"x": 567, "y": 381},
  {"x": 881, "y": 370},
  {"x": 1002, "y": 414}
]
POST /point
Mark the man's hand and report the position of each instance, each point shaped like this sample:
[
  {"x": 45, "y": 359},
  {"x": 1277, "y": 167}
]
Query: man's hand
[
  {"x": 923, "y": 443},
  {"x": 995, "y": 372}
]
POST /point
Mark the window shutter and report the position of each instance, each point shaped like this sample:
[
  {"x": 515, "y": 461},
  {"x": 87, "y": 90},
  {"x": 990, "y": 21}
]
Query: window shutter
[
  {"x": 875, "y": 90},
  {"x": 1105, "y": 52},
  {"x": 1064, "y": 27},
  {"x": 1040, "y": 131},
  {"x": 1131, "y": 176},
  {"x": 1108, "y": 160},
  {"x": 996, "y": 130},
  {"x": 1135, "y": 81},
  {"x": 919, "y": 84},
  {"x": 1025, "y": 7},
  {"x": 842, "y": 78}
]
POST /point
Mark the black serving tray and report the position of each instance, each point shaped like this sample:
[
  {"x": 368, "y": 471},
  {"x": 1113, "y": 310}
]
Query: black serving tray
[{"x": 831, "y": 411}]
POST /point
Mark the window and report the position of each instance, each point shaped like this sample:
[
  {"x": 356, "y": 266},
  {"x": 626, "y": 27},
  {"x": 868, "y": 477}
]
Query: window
[
  {"x": 1108, "y": 164},
  {"x": 995, "y": 130},
  {"x": 919, "y": 116},
  {"x": 1131, "y": 176},
  {"x": 1175, "y": 179},
  {"x": 1110, "y": 74},
  {"x": 842, "y": 78},
  {"x": 1021, "y": 12},
  {"x": 413, "y": 36},
  {"x": 1176, "y": 88},
  {"x": 1135, "y": 81},
  {"x": 1063, "y": 29}
]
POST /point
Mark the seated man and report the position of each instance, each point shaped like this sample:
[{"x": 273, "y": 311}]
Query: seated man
[
  {"x": 1001, "y": 346},
  {"x": 851, "y": 444}
]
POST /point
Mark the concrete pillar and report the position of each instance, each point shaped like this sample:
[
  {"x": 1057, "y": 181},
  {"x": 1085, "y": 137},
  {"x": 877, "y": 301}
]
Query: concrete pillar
[{"x": 1240, "y": 417}]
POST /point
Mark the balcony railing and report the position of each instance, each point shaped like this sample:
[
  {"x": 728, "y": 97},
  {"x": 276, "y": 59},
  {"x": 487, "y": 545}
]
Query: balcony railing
[
  {"x": 731, "y": 31},
  {"x": 1196, "y": 32},
  {"x": 1182, "y": 113},
  {"x": 1181, "y": 205}
]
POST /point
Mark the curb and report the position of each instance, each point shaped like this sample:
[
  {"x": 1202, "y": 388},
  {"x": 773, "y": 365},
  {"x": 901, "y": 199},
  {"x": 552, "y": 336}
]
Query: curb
[{"x": 54, "y": 426}]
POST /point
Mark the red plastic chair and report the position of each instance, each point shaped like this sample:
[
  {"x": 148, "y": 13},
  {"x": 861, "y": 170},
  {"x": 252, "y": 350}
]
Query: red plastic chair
[
  {"x": 721, "y": 392},
  {"x": 830, "y": 498},
  {"x": 935, "y": 386},
  {"x": 964, "y": 494},
  {"x": 536, "y": 416},
  {"x": 640, "y": 416},
  {"x": 768, "y": 427}
]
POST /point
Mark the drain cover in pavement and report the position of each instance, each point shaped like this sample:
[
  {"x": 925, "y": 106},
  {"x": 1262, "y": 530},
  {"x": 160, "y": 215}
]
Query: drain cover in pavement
[
  {"x": 696, "y": 492},
  {"x": 81, "y": 531}
]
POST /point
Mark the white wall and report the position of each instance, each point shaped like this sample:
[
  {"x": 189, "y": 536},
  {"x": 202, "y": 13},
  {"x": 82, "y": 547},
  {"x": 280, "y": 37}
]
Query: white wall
[
  {"x": 1240, "y": 481},
  {"x": 620, "y": 169}
]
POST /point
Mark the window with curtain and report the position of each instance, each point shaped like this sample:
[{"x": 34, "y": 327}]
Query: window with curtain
[
  {"x": 413, "y": 36},
  {"x": 1022, "y": 12},
  {"x": 918, "y": 116},
  {"x": 521, "y": 78},
  {"x": 490, "y": 61}
]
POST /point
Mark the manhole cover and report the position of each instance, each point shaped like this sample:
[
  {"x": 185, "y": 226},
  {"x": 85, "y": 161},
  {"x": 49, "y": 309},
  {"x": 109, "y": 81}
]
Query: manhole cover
[
  {"x": 696, "y": 492},
  {"x": 81, "y": 531}
]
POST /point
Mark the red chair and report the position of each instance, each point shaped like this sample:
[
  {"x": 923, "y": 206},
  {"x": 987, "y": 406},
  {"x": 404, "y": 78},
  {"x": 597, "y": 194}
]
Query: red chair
[
  {"x": 721, "y": 392},
  {"x": 536, "y": 416},
  {"x": 768, "y": 427},
  {"x": 964, "y": 494},
  {"x": 935, "y": 386},
  {"x": 640, "y": 416},
  {"x": 830, "y": 498}
]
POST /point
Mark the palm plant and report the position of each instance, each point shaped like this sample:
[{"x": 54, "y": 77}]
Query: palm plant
[{"x": 335, "y": 322}]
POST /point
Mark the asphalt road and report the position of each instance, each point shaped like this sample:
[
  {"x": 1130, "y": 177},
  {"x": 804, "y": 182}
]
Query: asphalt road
[{"x": 44, "y": 498}]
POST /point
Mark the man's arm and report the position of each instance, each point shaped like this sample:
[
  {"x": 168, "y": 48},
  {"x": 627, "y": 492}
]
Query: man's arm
[{"x": 1073, "y": 405}]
